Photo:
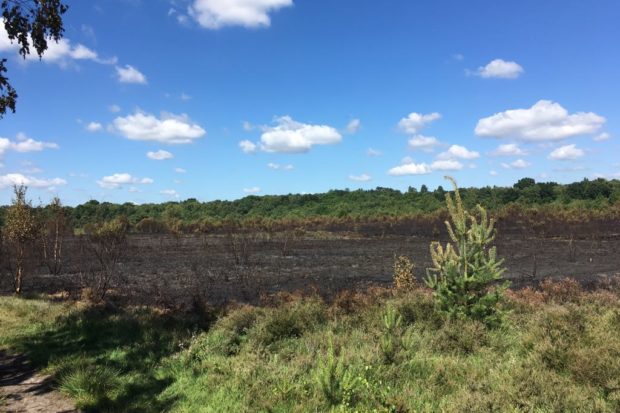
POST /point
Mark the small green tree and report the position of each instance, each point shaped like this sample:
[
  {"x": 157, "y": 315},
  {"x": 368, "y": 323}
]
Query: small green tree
[
  {"x": 53, "y": 230},
  {"x": 108, "y": 242},
  {"x": 20, "y": 230},
  {"x": 465, "y": 272}
]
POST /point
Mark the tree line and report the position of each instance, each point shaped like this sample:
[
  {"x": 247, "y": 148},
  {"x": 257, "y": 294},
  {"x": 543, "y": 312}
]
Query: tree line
[{"x": 353, "y": 204}]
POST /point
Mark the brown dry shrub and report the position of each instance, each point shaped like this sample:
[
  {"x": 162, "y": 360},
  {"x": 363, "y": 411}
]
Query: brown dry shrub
[
  {"x": 280, "y": 298},
  {"x": 563, "y": 291},
  {"x": 404, "y": 279},
  {"x": 526, "y": 299},
  {"x": 350, "y": 302}
]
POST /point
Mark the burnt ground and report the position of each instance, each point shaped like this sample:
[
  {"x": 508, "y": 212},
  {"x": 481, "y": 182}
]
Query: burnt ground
[{"x": 168, "y": 271}]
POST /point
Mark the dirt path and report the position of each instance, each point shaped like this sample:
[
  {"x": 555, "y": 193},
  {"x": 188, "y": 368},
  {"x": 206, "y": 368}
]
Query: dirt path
[{"x": 22, "y": 389}]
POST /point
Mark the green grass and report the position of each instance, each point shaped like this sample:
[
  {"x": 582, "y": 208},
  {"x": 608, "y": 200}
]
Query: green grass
[{"x": 558, "y": 351}]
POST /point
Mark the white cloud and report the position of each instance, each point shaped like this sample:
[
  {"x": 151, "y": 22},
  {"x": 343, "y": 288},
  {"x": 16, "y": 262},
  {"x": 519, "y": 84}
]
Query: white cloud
[
  {"x": 24, "y": 144},
  {"x": 410, "y": 169},
  {"x": 518, "y": 164},
  {"x": 425, "y": 143},
  {"x": 169, "y": 128},
  {"x": 180, "y": 170},
  {"x": 458, "y": 152},
  {"x": 215, "y": 14},
  {"x": 566, "y": 153},
  {"x": 545, "y": 121},
  {"x": 185, "y": 97},
  {"x": 252, "y": 190},
  {"x": 248, "y": 146},
  {"x": 277, "y": 166},
  {"x": 94, "y": 127},
  {"x": 508, "y": 149},
  {"x": 290, "y": 136},
  {"x": 8, "y": 180},
  {"x": 446, "y": 165},
  {"x": 354, "y": 126},
  {"x": 247, "y": 126},
  {"x": 130, "y": 74},
  {"x": 170, "y": 193},
  {"x": 117, "y": 180},
  {"x": 373, "y": 152},
  {"x": 415, "y": 122},
  {"x": 493, "y": 173},
  {"x": 360, "y": 178},
  {"x": 499, "y": 68},
  {"x": 159, "y": 155},
  {"x": 114, "y": 108},
  {"x": 602, "y": 137}
]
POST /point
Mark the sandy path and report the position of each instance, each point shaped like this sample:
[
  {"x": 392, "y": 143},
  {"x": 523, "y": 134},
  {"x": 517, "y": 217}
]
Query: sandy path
[{"x": 22, "y": 389}]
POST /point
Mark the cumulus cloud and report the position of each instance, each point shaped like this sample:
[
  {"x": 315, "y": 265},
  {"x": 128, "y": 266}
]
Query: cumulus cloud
[
  {"x": 9, "y": 180},
  {"x": 458, "y": 152},
  {"x": 446, "y": 165},
  {"x": 499, "y": 68},
  {"x": 277, "y": 166},
  {"x": 425, "y": 143},
  {"x": 415, "y": 122},
  {"x": 94, "y": 127},
  {"x": 545, "y": 121},
  {"x": 252, "y": 190},
  {"x": 168, "y": 128},
  {"x": 114, "y": 108},
  {"x": 354, "y": 126},
  {"x": 24, "y": 144},
  {"x": 566, "y": 153},
  {"x": 360, "y": 178},
  {"x": 410, "y": 168},
  {"x": 373, "y": 152},
  {"x": 170, "y": 193},
  {"x": 130, "y": 74},
  {"x": 159, "y": 155},
  {"x": 518, "y": 164},
  {"x": 290, "y": 136},
  {"x": 602, "y": 137},
  {"x": 508, "y": 149},
  {"x": 215, "y": 14},
  {"x": 248, "y": 146},
  {"x": 119, "y": 179},
  {"x": 180, "y": 170}
]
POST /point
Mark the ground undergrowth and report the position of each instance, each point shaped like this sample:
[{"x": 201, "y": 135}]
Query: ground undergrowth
[{"x": 558, "y": 350}]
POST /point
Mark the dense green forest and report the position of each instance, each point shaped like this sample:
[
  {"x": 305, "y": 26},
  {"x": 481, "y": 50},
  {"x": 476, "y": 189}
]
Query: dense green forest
[{"x": 589, "y": 194}]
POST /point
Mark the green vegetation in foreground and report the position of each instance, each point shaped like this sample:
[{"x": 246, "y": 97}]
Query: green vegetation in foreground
[{"x": 557, "y": 351}]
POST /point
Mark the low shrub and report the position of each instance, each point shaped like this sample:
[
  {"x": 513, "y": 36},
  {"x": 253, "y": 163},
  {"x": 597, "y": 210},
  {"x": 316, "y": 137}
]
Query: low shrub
[
  {"x": 288, "y": 321},
  {"x": 404, "y": 278},
  {"x": 567, "y": 290},
  {"x": 460, "y": 337}
]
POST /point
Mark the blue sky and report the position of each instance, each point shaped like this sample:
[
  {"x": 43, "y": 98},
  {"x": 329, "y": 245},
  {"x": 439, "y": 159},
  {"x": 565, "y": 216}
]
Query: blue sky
[{"x": 149, "y": 101}]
